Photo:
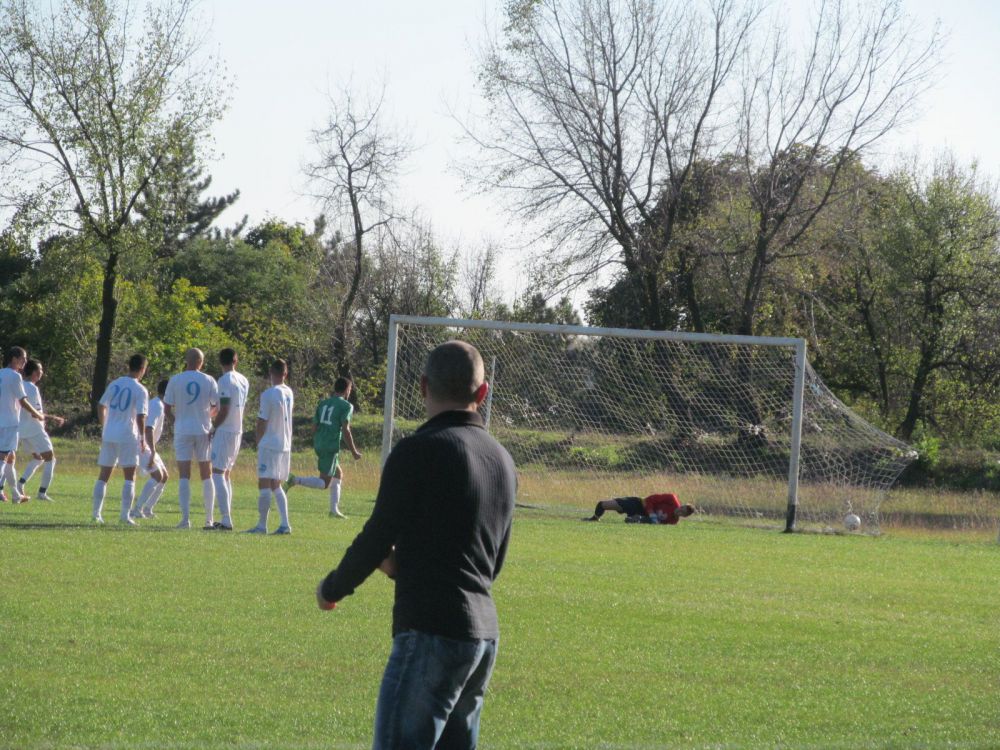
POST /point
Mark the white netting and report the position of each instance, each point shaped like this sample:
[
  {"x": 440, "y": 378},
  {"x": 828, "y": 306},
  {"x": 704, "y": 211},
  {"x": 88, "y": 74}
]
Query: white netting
[{"x": 594, "y": 415}]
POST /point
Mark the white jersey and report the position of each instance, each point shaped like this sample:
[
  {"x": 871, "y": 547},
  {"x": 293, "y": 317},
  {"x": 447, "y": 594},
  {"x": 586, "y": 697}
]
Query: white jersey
[
  {"x": 192, "y": 394},
  {"x": 276, "y": 405},
  {"x": 235, "y": 387},
  {"x": 11, "y": 393},
  {"x": 31, "y": 427},
  {"x": 155, "y": 418},
  {"x": 125, "y": 399}
]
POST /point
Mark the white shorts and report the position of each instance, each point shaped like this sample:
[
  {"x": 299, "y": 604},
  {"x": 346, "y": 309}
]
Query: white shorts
[
  {"x": 8, "y": 439},
  {"x": 37, "y": 443},
  {"x": 124, "y": 454},
  {"x": 158, "y": 465},
  {"x": 273, "y": 464},
  {"x": 225, "y": 449},
  {"x": 192, "y": 447}
]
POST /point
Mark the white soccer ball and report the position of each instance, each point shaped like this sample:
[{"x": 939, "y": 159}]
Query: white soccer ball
[{"x": 852, "y": 522}]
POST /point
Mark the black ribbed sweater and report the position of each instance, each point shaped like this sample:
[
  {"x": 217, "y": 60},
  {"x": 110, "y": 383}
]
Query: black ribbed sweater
[{"x": 445, "y": 501}]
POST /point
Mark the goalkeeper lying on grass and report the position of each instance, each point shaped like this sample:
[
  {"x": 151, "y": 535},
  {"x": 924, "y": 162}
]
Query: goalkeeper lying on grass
[{"x": 664, "y": 508}]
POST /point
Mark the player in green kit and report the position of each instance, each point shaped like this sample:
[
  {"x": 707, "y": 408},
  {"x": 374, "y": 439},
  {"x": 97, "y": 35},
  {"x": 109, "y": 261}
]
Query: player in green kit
[{"x": 332, "y": 422}]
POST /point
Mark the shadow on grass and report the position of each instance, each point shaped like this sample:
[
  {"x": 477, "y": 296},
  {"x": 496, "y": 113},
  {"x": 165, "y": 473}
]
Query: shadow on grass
[{"x": 106, "y": 527}]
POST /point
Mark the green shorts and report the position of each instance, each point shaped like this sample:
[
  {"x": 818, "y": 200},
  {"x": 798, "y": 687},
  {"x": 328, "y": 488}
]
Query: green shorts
[{"x": 327, "y": 461}]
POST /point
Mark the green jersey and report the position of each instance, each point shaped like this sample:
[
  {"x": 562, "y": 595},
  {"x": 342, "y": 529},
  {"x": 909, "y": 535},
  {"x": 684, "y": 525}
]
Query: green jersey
[{"x": 331, "y": 416}]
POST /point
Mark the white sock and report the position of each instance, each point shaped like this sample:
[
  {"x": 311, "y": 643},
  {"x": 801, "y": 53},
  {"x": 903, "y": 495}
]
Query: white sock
[
  {"x": 47, "y": 473},
  {"x": 282, "y": 500},
  {"x": 146, "y": 494},
  {"x": 335, "y": 495},
  {"x": 184, "y": 496},
  {"x": 222, "y": 496},
  {"x": 157, "y": 494},
  {"x": 314, "y": 483},
  {"x": 128, "y": 495},
  {"x": 99, "y": 489},
  {"x": 30, "y": 470},
  {"x": 208, "y": 495},
  {"x": 263, "y": 507},
  {"x": 10, "y": 476}
]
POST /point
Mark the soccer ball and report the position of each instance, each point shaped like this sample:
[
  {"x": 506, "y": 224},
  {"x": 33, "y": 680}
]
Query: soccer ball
[{"x": 852, "y": 522}]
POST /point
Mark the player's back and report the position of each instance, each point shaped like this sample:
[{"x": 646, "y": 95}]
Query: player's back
[
  {"x": 192, "y": 394},
  {"x": 29, "y": 425},
  {"x": 331, "y": 415},
  {"x": 235, "y": 387},
  {"x": 276, "y": 406},
  {"x": 11, "y": 392},
  {"x": 124, "y": 398},
  {"x": 154, "y": 419}
]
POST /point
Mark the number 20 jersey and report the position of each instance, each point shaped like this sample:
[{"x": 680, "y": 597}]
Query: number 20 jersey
[{"x": 124, "y": 398}]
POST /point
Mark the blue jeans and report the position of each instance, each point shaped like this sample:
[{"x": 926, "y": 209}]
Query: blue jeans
[{"x": 432, "y": 692}]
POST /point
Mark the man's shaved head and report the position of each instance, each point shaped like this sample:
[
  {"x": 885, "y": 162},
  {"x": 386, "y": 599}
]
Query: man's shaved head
[
  {"x": 194, "y": 358},
  {"x": 454, "y": 372}
]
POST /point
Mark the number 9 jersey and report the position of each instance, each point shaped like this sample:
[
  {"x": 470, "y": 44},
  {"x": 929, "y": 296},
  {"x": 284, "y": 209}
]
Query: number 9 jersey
[{"x": 192, "y": 394}]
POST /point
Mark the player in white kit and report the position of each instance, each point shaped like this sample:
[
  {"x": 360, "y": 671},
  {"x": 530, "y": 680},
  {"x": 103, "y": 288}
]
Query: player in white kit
[
  {"x": 190, "y": 401},
  {"x": 150, "y": 463},
  {"x": 228, "y": 433},
  {"x": 122, "y": 410},
  {"x": 274, "y": 448},
  {"x": 33, "y": 435},
  {"x": 13, "y": 398}
]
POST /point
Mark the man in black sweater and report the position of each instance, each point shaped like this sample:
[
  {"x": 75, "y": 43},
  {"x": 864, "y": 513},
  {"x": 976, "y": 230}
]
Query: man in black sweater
[{"x": 440, "y": 526}]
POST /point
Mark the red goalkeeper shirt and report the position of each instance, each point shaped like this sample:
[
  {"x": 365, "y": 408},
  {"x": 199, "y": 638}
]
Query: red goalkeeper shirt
[{"x": 662, "y": 508}]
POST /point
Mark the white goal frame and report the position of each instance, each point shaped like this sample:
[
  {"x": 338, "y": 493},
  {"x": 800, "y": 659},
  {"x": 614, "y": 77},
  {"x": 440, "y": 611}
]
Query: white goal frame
[{"x": 797, "y": 345}]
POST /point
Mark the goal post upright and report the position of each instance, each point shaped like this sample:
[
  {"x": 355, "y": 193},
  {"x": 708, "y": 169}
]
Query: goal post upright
[
  {"x": 390, "y": 388},
  {"x": 798, "y": 394}
]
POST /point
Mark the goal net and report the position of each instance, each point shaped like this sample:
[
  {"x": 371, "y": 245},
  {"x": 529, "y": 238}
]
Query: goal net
[{"x": 739, "y": 426}]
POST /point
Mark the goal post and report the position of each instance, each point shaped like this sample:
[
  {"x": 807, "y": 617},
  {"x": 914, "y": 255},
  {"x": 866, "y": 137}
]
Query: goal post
[{"x": 741, "y": 426}]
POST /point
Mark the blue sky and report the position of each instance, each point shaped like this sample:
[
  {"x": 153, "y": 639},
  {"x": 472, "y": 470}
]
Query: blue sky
[{"x": 283, "y": 58}]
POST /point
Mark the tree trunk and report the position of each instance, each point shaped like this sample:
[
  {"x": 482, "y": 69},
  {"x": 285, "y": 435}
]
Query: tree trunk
[
  {"x": 109, "y": 310},
  {"x": 905, "y": 430}
]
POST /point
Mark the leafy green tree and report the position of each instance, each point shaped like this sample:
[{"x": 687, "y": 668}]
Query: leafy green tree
[
  {"x": 94, "y": 97},
  {"x": 920, "y": 282}
]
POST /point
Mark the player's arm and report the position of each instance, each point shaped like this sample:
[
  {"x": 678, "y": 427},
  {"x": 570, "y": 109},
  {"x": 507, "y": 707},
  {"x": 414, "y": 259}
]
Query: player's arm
[
  {"x": 222, "y": 413},
  {"x": 140, "y": 422},
  {"x": 349, "y": 440},
  {"x": 25, "y": 404},
  {"x": 260, "y": 429}
]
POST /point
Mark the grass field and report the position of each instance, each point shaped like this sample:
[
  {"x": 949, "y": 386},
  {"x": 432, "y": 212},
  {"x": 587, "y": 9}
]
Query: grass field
[{"x": 614, "y": 635}]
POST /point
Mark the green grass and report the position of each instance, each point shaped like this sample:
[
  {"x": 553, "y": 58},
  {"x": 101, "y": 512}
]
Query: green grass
[{"x": 614, "y": 635}]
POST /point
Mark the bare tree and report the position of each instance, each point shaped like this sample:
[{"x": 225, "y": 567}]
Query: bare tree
[
  {"x": 598, "y": 111},
  {"x": 93, "y": 96},
  {"x": 354, "y": 174},
  {"x": 806, "y": 117},
  {"x": 479, "y": 273}
]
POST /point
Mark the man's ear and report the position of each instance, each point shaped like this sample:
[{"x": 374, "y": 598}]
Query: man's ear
[{"x": 481, "y": 393}]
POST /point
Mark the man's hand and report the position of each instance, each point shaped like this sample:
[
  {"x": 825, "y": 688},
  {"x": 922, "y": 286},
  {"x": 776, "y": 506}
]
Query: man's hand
[
  {"x": 58, "y": 420},
  {"x": 356, "y": 453},
  {"x": 321, "y": 602}
]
